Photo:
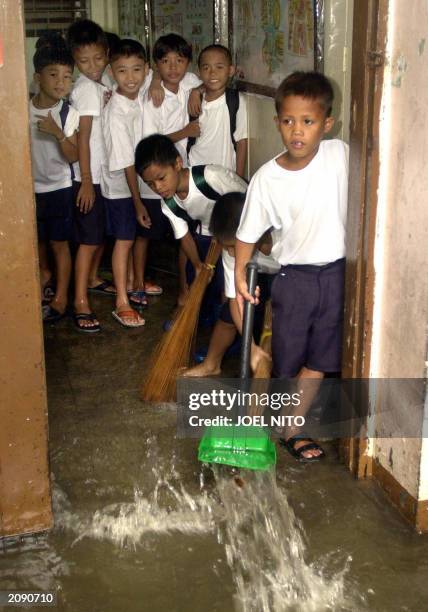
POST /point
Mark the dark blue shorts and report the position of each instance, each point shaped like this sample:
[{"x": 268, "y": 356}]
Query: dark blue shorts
[
  {"x": 307, "y": 311},
  {"x": 121, "y": 219},
  {"x": 54, "y": 212},
  {"x": 89, "y": 228},
  {"x": 160, "y": 223},
  {"x": 264, "y": 281}
]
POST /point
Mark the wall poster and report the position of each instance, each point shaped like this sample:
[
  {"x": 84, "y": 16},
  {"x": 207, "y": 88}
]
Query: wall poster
[{"x": 270, "y": 39}]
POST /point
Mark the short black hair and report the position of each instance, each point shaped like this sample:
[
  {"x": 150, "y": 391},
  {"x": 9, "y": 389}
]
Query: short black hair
[
  {"x": 47, "y": 56},
  {"x": 155, "y": 149},
  {"x": 226, "y": 52},
  {"x": 312, "y": 85},
  {"x": 127, "y": 47},
  {"x": 226, "y": 215},
  {"x": 112, "y": 40},
  {"x": 171, "y": 43},
  {"x": 86, "y": 32},
  {"x": 50, "y": 38}
]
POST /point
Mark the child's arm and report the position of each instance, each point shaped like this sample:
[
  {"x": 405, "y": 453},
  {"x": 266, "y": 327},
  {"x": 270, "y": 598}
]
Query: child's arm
[
  {"x": 156, "y": 92},
  {"x": 243, "y": 254},
  {"x": 257, "y": 353},
  {"x": 191, "y": 130},
  {"x": 241, "y": 156},
  {"x": 194, "y": 105},
  {"x": 141, "y": 213},
  {"x": 67, "y": 144},
  {"x": 86, "y": 196},
  {"x": 191, "y": 251}
]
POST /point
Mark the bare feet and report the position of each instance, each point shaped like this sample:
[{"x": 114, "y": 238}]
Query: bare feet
[{"x": 201, "y": 370}]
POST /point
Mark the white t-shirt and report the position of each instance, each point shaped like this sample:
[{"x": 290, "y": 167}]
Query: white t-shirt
[
  {"x": 307, "y": 208},
  {"x": 51, "y": 171},
  {"x": 89, "y": 98},
  {"x": 172, "y": 115},
  {"x": 122, "y": 129},
  {"x": 265, "y": 264},
  {"x": 198, "y": 206},
  {"x": 214, "y": 145}
]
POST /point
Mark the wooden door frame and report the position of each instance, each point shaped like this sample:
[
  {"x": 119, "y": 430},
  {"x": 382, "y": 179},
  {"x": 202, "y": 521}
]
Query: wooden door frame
[{"x": 368, "y": 55}]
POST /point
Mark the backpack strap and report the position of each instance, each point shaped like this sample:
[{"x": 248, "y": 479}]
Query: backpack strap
[
  {"x": 181, "y": 213},
  {"x": 63, "y": 114},
  {"x": 192, "y": 139},
  {"x": 232, "y": 102},
  {"x": 198, "y": 174}
]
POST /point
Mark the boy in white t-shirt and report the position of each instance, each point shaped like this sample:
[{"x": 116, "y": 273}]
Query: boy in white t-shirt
[
  {"x": 54, "y": 126},
  {"x": 302, "y": 194},
  {"x": 223, "y": 119},
  {"x": 122, "y": 128},
  {"x": 188, "y": 196}
]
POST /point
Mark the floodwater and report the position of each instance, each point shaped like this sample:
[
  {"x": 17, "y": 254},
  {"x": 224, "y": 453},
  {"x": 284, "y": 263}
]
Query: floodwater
[{"x": 140, "y": 525}]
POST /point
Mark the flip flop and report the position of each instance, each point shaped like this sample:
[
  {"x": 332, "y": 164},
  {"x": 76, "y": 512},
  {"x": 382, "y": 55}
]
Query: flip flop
[
  {"x": 119, "y": 316},
  {"x": 138, "y": 299},
  {"x": 152, "y": 289},
  {"x": 86, "y": 316},
  {"x": 48, "y": 291},
  {"x": 297, "y": 453},
  {"x": 51, "y": 314},
  {"x": 103, "y": 288}
]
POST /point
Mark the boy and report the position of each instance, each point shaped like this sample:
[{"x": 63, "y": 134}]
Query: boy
[
  {"x": 224, "y": 223},
  {"x": 223, "y": 120},
  {"x": 88, "y": 45},
  {"x": 188, "y": 194},
  {"x": 122, "y": 129},
  {"x": 302, "y": 194},
  {"x": 54, "y": 147}
]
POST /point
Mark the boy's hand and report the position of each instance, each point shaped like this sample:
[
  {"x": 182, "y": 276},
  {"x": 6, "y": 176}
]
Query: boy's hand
[
  {"x": 194, "y": 105},
  {"x": 193, "y": 129},
  {"x": 48, "y": 125},
  {"x": 143, "y": 216},
  {"x": 243, "y": 295},
  {"x": 85, "y": 197},
  {"x": 156, "y": 93}
]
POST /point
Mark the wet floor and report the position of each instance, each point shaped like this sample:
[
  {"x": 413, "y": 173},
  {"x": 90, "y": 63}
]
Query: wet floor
[{"x": 141, "y": 526}]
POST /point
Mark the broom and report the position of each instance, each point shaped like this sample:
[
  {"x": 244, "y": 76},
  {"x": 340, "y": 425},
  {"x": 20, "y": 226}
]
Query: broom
[{"x": 174, "y": 349}]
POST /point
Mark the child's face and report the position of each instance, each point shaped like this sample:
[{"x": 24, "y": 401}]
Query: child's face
[
  {"x": 163, "y": 179},
  {"x": 91, "y": 61},
  {"x": 302, "y": 123},
  {"x": 215, "y": 70},
  {"x": 172, "y": 68},
  {"x": 129, "y": 74},
  {"x": 55, "y": 81}
]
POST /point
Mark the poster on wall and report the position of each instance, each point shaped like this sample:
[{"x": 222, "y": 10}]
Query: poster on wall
[
  {"x": 132, "y": 20},
  {"x": 192, "y": 19},
  {"x": 271, "y": 39}
]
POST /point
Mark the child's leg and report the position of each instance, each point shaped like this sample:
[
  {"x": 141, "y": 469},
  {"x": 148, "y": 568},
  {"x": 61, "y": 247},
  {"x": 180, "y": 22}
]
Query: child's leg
[
  {"x": 62, "y": 257},
  {"x": 82, "y": 266},
  {"x": 222, "y": 337},
  {"x": 45, "y": 271},
  {"x": 120, "y": 258},
  {"x": 140, "y": 258}
]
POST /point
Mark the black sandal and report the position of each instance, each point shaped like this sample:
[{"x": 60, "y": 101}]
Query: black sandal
[
  {"x": 86, "y": 316},
  {"x": 297, "y": 453}
]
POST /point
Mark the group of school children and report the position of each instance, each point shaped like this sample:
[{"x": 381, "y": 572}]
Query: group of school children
[{"x": 134, "y": 147}]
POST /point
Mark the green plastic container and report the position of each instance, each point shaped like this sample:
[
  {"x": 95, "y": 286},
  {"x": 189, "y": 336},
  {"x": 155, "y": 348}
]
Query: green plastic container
[{"x": 243, "y": 447}]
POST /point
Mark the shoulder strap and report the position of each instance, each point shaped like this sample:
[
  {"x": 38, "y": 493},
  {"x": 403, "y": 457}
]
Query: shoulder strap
[
  {"x": 178, "y": 211},
  {"x": 198, "y": 174},
  {"x": 63, "y": 113},
  {"x": 191, "y": 141},
  {"x": 232, "y": 102}
]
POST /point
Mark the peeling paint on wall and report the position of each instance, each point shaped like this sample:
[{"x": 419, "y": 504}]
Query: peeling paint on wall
[
  {"x": 398, "y": 70},
  {"x": 421, "y": 46}
]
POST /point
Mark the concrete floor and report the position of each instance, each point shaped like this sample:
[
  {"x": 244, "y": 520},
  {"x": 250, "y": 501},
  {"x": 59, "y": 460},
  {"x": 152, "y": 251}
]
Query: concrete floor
[{"x": 135, "y": 530}]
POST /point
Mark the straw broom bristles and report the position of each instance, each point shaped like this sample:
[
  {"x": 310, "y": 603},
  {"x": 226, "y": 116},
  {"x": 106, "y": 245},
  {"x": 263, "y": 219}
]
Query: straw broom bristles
[{"x": 173, "y": 350}]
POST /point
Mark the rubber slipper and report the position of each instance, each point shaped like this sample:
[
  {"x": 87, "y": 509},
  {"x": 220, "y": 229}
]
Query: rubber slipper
[
  {"x": 119, "y": 316},
  {"x": 138, "y": 299},
  {"x": 297, "y": 453},
  {"x": 51, "y": 314},
  {"x": 86, "y": 316},
  {"x": 48, "y": 292},
  {"x": 152, "y": 289},
  {"x": 103, "y": 288}
]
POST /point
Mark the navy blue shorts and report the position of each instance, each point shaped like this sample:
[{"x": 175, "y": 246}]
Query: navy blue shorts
[
  {"x": 89, "y": 228},
  {"x": 121, "y": 219},
  {"x": 160, "y": 223},
  {"x": 307, "y": 311},
  {"x": 54, "y": 211},
  {"x": 264, "y": 281}
]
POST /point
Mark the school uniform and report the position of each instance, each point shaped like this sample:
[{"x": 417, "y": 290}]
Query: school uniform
[
  {"x": 215, "y": 145},
  {"x": 172, "y": 115},
  {"x": 307, "y": 211},
  {"x": 89, "y": 98},
  {"x": 52, "y": 173}
]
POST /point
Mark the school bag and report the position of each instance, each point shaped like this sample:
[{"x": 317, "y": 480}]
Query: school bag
[
  {"x": 198, "y": 174},
  {"x": 63, "y": 114},
  {"x": 232, "y": 103}
]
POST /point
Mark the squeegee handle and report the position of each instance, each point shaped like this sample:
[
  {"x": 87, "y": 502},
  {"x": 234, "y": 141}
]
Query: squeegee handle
[{"x": 247, "y": 326}]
